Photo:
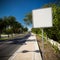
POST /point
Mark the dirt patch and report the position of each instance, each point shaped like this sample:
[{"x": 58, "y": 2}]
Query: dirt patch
[{"x": 49, "y": 51}]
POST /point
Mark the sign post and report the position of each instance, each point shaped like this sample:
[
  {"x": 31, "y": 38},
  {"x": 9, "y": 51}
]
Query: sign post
[
  {"x": 42, "y": 18},
  {"x": 42, "y": 44}
]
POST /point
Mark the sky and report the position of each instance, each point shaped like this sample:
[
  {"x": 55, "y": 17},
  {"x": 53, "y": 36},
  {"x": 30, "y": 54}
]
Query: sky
[{"x": 19, "y": 8}]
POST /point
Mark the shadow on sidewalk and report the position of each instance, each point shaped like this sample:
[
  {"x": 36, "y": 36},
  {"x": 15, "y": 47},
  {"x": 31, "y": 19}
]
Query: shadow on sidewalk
[
  {"x": 36, "y": 51},
  {"x": 26, "y": 51}
]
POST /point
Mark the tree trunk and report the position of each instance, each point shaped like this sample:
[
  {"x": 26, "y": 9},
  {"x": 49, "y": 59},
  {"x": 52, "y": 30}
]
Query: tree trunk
[
  {"x": 46, "y": 37},
  {"x": 0, "y": 35},
  {"x": 8, "y": 35}
]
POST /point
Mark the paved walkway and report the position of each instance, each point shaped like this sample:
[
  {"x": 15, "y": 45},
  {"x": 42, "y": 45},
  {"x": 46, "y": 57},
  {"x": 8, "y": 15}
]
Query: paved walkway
[{"x": 28, "y": 51}]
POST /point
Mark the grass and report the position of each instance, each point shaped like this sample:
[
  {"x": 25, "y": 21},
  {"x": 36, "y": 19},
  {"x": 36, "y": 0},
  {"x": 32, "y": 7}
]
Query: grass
[
  {"x": 49, "y": 50},
  {"x": 3, "y": 38},
  {"x": 12, "y": 37},
  {"x": 56, "y": 48}
]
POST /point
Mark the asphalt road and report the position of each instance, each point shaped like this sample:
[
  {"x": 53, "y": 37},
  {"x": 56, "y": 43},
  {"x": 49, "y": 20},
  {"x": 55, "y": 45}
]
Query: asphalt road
[{"x": 7, "y": 48}]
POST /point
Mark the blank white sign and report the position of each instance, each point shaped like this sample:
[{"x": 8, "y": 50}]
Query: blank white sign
[{"x": 42, "y": 18}]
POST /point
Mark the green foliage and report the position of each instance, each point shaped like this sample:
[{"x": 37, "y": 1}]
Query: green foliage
[
  {"x": 1, "y": 26},
  {"x": 9, "y": 31},
  {"x": 28, "y": 19},
  {"x": 10, "y": 25},
  {"x": 25, "y": 29},
  {"x": 57, "y": 2},
  {"x": 54, "y": 32},
  {"x": 56, "y": 48},
  {"x": 16, "y": 27},
  {"x": 36, "y": 30}
]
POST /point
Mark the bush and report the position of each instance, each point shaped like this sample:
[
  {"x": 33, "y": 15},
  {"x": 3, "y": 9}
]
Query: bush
[{"x": 54, "y": 32}]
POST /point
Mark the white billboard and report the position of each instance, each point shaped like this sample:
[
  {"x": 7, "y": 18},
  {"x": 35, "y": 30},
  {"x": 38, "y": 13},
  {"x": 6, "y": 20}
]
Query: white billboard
[{"x": 42, "y": 18}]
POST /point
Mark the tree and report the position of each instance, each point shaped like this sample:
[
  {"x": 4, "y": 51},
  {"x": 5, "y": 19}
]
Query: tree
[
  {"x": 57, "y": 2},
  {"x": 25, "y": 29},
  {"x": 9, "y": 31},
  {"x": 28, "y": 19},
  {"x": 17, "y": 27},
  {"x": 1, "y": 26},
  {"x": 11, "y": 20},
  {"x": 54, "y": 32},
  {"x": 6, "y": 23},
  {"x": 36, "y": 30},
  {"x": 10, "y": 25}
]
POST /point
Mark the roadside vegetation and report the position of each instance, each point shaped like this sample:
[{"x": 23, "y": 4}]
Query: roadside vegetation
[
  {"x": 11, "y": 27},
  {"x": 53, "y": 32},
  {"x": 50, "y": 52}
]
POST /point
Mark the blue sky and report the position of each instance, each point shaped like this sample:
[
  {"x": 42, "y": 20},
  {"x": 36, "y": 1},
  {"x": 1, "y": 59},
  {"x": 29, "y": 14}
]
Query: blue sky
[{"x": 19, "y": 8}]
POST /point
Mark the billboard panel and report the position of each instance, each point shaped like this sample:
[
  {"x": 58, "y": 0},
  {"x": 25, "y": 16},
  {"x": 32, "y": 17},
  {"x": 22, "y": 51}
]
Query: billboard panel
[{"x": 42, "y": 18}]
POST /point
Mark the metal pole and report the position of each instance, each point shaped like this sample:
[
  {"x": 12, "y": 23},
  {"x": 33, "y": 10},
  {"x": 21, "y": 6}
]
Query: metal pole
[{"x": 42, "y": 44}]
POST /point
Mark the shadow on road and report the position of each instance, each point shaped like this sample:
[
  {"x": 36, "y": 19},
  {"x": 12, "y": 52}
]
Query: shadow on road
[
  {"x": 8, "y": 47},
  {"x": 16, "y": 40}
]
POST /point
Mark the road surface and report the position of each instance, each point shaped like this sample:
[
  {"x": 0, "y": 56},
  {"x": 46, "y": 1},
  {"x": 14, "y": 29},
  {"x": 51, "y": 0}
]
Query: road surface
[{"x": 7, "y": 48}]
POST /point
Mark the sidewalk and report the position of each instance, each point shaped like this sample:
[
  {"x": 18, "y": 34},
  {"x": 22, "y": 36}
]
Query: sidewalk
[{"x": 28, "y": 51}]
